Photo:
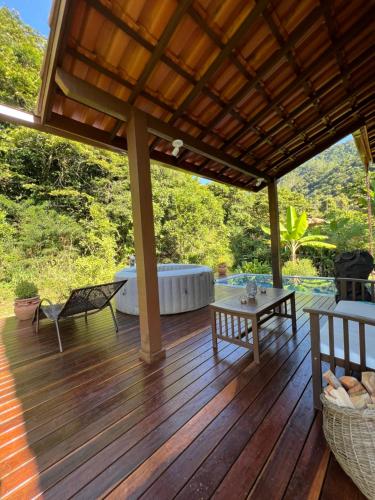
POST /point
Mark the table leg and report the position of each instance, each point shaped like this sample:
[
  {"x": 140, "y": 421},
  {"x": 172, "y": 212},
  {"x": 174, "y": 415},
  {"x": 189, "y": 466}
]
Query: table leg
[
  {"x": 293, "y": 312},
  {"x": 213, "y": 328},
  {"x": 255, "y": 340}
]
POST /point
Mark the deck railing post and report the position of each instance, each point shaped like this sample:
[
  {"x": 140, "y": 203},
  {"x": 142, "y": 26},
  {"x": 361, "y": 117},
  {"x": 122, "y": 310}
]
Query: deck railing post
[
  {"x": 273, "y": 204},
  {"x": 144, "y": 238}
]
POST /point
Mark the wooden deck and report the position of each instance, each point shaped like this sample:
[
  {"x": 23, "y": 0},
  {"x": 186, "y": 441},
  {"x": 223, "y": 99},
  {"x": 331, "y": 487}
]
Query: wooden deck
[{"x": 95, "y": 421}]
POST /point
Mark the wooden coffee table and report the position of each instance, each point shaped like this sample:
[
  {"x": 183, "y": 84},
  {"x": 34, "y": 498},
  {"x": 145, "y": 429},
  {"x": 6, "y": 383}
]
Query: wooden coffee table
[{"x": 239, "y": 323}]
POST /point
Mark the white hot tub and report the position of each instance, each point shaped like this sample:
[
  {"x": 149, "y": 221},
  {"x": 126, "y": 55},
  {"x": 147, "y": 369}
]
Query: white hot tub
[{"x": 182, "y": 287}]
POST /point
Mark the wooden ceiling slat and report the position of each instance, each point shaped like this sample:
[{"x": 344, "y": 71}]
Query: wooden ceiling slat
[
  {"x": 367, "y": 55},
  {"x": 323, "y": 112},
  {"x": 326, "y": 7},
  {"x": 158, "y": 50},
  {"x": 321, "y": 147},
  {"x": 156, "y": 55},
  {"x": 315, "y": 66},
  {"x": 223, "y": 55},
  {"x": 305, "y": 83},
  {"x": 346, "y": 116},
  {"x": 329, "y": 127},
  {"x": 265, "y": 68},
  {"x": 314, "y": 121},
  {"x": 108, "y": 14}
]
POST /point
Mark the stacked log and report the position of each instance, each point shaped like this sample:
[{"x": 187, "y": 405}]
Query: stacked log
[{"x": 349, "y": 392}]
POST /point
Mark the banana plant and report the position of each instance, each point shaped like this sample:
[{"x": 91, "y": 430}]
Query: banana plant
[{"x": 293, "y": 234}]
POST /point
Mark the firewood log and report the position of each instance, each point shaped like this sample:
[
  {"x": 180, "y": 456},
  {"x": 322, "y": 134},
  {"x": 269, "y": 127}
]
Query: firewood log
[
  {"x": 357, "y": 390},
  {"x": 360, "y": 400},
  {"x": 349, "y": 382},
  {"x": 339, "y": 397},
  {"x": 331, "y": 378},
  {"x": 368, "y": 380}
]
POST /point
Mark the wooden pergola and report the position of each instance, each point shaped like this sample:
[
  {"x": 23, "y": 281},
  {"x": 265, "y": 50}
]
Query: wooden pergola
[{"x": 252, "y": 88}]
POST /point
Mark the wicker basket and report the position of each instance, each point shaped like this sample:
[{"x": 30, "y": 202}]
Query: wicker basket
[{"x": 351, "y": 437}]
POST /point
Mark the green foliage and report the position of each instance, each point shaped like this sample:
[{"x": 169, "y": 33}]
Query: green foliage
[
  {"x": 254, "y": 267},
  {"x": 293, "y": 234},
  {"x": 300, "y": 267},
  {"x": 26, "y": 290},
  {"x": 20, "y": 61}
]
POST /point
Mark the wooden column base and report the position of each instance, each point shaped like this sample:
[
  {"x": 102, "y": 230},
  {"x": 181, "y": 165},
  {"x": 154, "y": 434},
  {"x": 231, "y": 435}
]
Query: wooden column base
[{"x": 149, "y": 357}]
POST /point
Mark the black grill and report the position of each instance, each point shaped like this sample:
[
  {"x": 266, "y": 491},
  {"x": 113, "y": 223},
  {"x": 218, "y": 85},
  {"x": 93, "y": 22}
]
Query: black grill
[{"x": 357, "y": 265}]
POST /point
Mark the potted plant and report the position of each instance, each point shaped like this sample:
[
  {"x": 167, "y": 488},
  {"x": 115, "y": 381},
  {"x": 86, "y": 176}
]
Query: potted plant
[
  {"x": 222, "y": 269},
  {"x": 26, "y": 301}
]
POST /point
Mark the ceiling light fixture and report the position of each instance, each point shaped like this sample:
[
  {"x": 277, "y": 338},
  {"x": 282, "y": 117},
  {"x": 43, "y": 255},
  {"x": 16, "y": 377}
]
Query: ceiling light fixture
[{"x": 177, "y": 144}]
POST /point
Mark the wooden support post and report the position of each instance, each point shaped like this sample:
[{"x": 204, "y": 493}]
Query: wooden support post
[
  {"x": 273, "y": 204},
  {"x": 144, "y": 238}
]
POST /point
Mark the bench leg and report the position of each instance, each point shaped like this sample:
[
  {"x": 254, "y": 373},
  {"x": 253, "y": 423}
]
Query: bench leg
[
  {"x": 36, "y": 319},
  {"x": 58, "y": 335},
  {"x": 213, "y": 330},
  {"x": 256, "y": 340},
  {"x": 315, "y": 360},
  {"x": 293, "y": 313},
  {"x": 113, "y": 317}
]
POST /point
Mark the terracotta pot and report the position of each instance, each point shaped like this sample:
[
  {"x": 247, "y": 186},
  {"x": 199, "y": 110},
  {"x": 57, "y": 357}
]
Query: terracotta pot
[
  {"x": 222, "y": 269},
  {"x": 24, "y": 308}
]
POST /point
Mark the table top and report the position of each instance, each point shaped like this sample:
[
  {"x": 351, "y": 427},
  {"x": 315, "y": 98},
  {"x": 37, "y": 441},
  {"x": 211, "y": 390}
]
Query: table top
[{"x": 261, "y": 303}]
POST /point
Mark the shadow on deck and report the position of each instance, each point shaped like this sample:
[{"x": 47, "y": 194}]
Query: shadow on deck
[{"x": 97, "y": 421}]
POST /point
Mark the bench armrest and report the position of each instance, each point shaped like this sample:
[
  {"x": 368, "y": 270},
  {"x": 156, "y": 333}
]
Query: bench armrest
[{"x": 343, "y": 316}]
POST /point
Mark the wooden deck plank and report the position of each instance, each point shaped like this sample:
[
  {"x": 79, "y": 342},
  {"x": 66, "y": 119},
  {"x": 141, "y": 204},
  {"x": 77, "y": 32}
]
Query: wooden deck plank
[
  {"x": 274, "y": 477},
  {"x": 117, "y": 469},
  {"x": 338, "y": 485},
  {"x": 310, "y": 471},
  {"x": 78, "y": 438},
  {"x": 97, "y": 420}
]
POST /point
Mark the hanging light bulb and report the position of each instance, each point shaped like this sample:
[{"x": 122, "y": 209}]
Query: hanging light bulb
[
  {"x": 177, "y": 144},
  {"x": 259, "y": 181}
]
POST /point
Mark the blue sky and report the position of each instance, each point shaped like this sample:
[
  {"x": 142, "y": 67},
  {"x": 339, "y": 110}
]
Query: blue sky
[{"x": 33, "y": 12}]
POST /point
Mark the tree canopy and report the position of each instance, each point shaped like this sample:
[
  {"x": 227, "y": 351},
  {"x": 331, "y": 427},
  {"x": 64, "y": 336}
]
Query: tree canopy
[{"x": 21, "y": 54}]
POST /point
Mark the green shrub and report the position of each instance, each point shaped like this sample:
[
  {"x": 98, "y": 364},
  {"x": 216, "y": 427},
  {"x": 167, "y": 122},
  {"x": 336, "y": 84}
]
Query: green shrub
[
  {"x": 25, "y": 290},
  {"x": 301, "y": 267},
  {"x": 254, "y": 267}
]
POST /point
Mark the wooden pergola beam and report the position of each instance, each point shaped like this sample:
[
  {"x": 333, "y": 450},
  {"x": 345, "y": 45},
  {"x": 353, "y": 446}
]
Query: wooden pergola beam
[
  {"x": 198, "y": 170},
  {"x": 273, "y": 204},
  {"x": 85, "y": 93},
  {"x": 326, "y": 6},
  {"x": 324, "y": 90},
  {"x": 59, "y": 22},
  {"x": 362, "y": 142},
  {"x": 63, "y": 127},
  {"x": 144, "y": 238},
  {"x": 168, "y": 132},
  {"x": 117, "y": 78},
  {"x": 68, "y": 128}
]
